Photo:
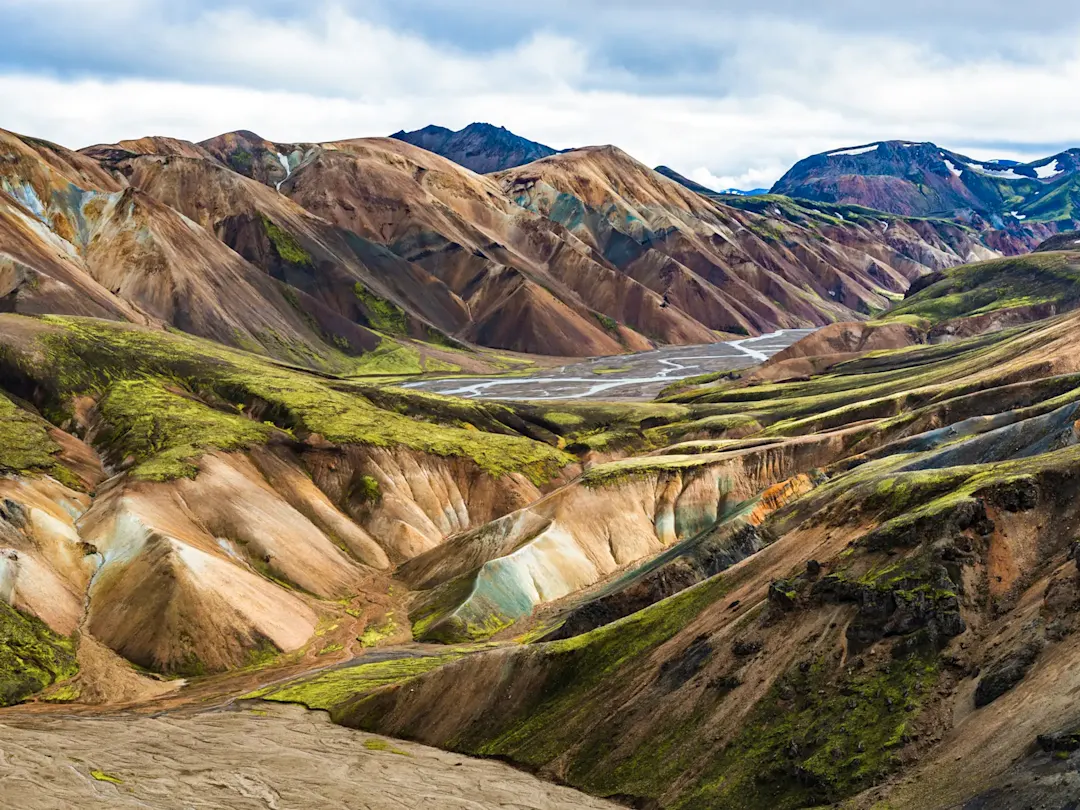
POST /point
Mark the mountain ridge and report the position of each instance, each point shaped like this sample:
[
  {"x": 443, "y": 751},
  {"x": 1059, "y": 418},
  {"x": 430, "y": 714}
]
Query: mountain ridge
[
  {"x": 923, "y": 179},
  {"x": 481, "y": 147}
]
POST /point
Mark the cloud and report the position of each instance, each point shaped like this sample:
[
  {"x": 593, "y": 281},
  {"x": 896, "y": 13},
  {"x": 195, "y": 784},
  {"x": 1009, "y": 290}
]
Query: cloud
[{"x": 709, "y": 88}]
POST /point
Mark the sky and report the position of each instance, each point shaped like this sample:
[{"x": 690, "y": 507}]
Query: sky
[{"x": 727, "y": 93}]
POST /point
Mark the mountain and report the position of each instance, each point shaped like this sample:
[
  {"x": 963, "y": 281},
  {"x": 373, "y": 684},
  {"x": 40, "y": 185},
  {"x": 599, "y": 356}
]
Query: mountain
[
  {"x": 535, "y": 280},
  {"x": 731, "y": 269},
  {"x": 481, "y": 147},
  {"x": 340, "y": 253},
  {"x": 922, "y": 179}
]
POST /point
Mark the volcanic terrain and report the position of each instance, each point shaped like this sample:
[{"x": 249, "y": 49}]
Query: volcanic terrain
[{"x": 841, "y": 570}]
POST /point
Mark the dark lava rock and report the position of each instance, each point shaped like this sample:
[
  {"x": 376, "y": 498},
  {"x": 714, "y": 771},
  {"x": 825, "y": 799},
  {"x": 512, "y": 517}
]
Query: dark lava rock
[
  {"x": 13, "y": 512},
  {"x": 924, "y": 608},
  {"x": 725, "y": 683},
  {"x": 677, "y": 671},
  {"x": 1061, "y": 741},
  {"x": 744, "y": 648},
  {"x": 1020, "y": 495},
  {"x": 1006, "y": 674},
  {"x": 782, "y": 594},
  {"x": 964, "y": 515},
  {"x": 813, "y": 569}
]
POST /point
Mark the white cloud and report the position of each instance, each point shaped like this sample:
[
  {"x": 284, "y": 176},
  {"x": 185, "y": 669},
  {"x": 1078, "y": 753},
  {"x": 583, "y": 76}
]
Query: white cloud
[{"x": 785, "y": 90}]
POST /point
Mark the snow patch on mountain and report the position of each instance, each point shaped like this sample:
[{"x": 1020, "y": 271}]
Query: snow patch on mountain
[
  {"x": 861, "y": 150},
  {"x": 1049, "y": 170}
]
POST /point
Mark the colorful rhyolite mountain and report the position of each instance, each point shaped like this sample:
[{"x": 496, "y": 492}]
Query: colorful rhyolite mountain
[
  {"x": 377, "y": 244},
  {"x": 922, "y": 179}
]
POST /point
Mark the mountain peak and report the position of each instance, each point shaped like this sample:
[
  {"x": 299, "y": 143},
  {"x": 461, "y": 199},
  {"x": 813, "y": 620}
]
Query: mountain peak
[
  {"x": 924, "y": 179},
  {"x": 480, "y": 146}
]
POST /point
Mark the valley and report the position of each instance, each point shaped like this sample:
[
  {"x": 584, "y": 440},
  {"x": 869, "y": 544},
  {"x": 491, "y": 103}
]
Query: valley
[{"x": 622, "y": 377}]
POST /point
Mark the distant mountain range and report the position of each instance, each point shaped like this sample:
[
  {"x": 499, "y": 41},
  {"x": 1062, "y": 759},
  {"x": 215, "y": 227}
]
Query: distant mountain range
[
  {"x": 923, "y": 179},
  {"x": 330, "y": 255},
  {"x": 481, "y": 147},
  {"x": 898, "y": 177}
]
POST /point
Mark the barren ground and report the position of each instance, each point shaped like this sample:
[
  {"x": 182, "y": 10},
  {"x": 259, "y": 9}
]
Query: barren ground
[{"x": 261, "y": 756}]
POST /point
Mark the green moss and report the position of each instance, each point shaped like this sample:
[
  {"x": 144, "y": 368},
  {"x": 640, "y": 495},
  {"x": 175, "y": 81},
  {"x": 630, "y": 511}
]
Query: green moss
[
  {"x": 990, "y": 286},
  {"x": 711, "y": 426},
  {"x": 329, "y": 689},
  {"x": 148, "y": 381},
  {"x": 580, "y": 669},
  {"x": 32, "y": 656},
  {"x": 68, "y": 693},
  {"x": 384, "y": 316},
  {"x": 562, "y": 419},
  {"x": 25, "y": 444},
  {"x": 373, "y": 634},
  {"x": 367, "y": 490},
  {"x": 241, "y": 160},
  {"x": 285, "y": 245},
  {"x": 102, "y": 776},
  {"x": 434, "y": 364},
  {"x": 166, "y": 431},
  {"x": 610, "y": 324},
  {"x": 388, "y": 358},
  {"x": 693, "y": 382},
  {"x": 263, "y": 654},
  {"x": 819, "y": 736},
  {"x": 604, "y": 475},
  {"x": 383, "y": 745}
]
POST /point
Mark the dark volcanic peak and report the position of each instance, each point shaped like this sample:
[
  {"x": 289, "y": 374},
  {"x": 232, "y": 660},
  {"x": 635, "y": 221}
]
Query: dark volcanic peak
[
  {"x": 922, "y": 179},
  {"x": 693, "y": 185},
  {"x": 481, "y": 147}
]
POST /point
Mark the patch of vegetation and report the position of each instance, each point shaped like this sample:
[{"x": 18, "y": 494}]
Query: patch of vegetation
[
  {"x": 329, "y": 689},
  {"x": 383, "y": 745},
  {"x": 563, "y": 419},
  {"x": 717, "y": 427},
  {"x": 984, "y": 287},
  {"x": 102, "y": 776},
  {"x": 25, "y": 444},
  {"x": 32, "y": 657},
  {"x": 241, "y": 160},
  {"x": 605, "y": 475},
  {"x": 154, "y": 388},
  {"x": 680, "y": 386},
  {"x": 610, "y": 324},
  {"x": 818, "y": 737},
  {"x": 384, "y": 316},
  {"x": 166, "y": 431},
  {"x": 367, "y": 490},
  {"x": 373, "y": 634},
  {"x": 286, "y": 245},
  {"x": 388, "y": 358},
  {"x": 581, "y": 668}
]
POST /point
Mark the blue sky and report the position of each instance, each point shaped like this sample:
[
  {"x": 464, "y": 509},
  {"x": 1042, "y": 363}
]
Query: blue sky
[{"x": 729, "y": 93}]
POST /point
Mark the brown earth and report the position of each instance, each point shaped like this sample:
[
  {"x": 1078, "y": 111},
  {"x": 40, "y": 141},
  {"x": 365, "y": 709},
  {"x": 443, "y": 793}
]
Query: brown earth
[{"x": 265, "y": 757}]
